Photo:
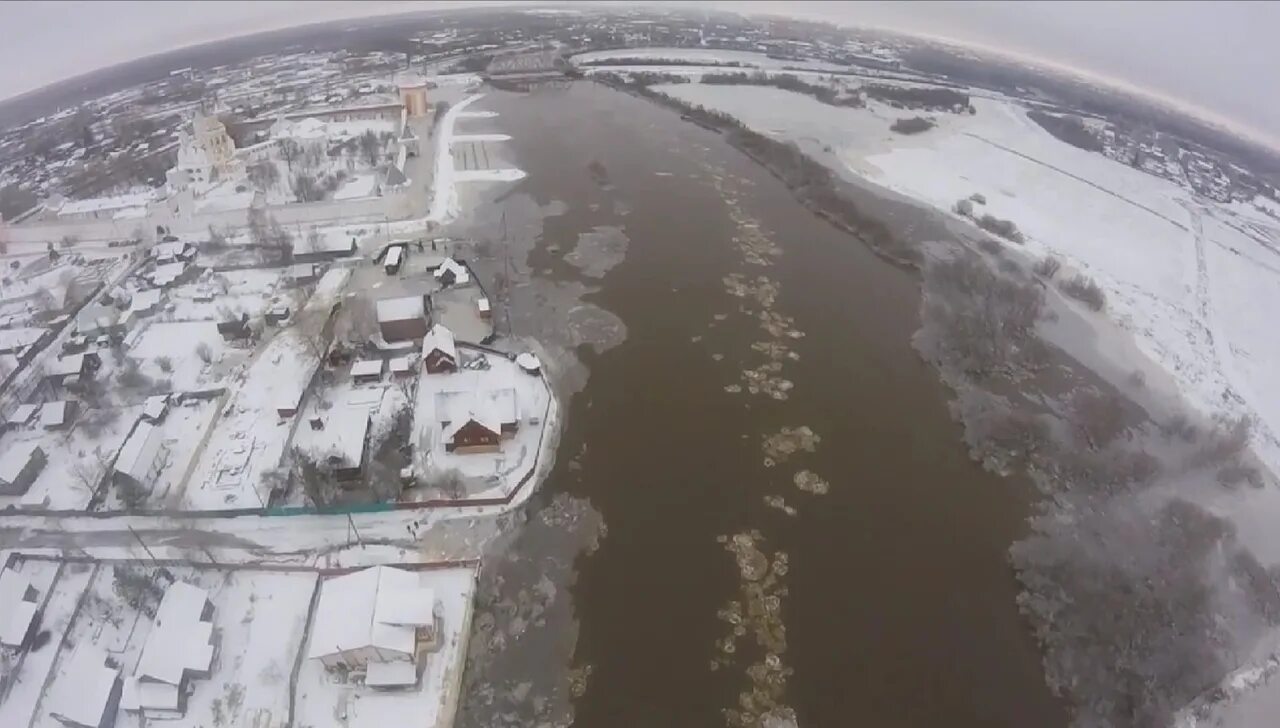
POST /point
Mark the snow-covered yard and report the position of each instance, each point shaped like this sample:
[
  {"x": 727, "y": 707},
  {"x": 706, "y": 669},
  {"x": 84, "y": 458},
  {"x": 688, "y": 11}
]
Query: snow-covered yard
[
  {"x": 76, "y": 458},
  {"x": 322, "y": 699},
  {"x": 488, "y": 474},
  {"x": 182, "y": 344},
  {"x": 252, "y": 291}
]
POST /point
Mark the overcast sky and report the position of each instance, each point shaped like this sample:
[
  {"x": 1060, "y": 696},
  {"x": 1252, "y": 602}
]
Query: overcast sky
[{"x": 1218, "y": 57}]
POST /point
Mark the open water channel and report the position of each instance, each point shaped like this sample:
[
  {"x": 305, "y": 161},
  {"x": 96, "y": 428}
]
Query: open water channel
[{"x": 822, "y": 545}]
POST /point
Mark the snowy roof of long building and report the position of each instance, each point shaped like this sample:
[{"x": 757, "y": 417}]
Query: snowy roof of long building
[
  {"x": 401, "y": 309},
  {"x": 83, "y": 688},
  {"x": 143, "y": 300},
  {"x": 354, "y": 610},
  {"x": 22, "y": 414},
  {"x": 139, "y": 452},
  {"x": 98, "y": 204},
  {"x": 11, "y": 339},
  {"x": 178, "y": 640},
  {"x": 440, "y": 337},
  {"x": 64, "y": 365},
  {"x": 16, "y": 613}
]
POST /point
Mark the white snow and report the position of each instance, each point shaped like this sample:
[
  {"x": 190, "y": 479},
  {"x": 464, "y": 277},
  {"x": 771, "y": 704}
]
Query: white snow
[{"x": 361, "y": 185}]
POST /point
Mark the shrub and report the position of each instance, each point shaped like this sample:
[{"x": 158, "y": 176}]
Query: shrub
[
  {"x": 1047, "y": 267},
  {"x": 165, "y": 363},
  {"x": 1004, "y": 228},
  {"x": 205, "y": 352},
  {"x": 914, "y": 125},
  {"x": 963, "y": 207},
  {"x": 1084, "y": 289}
]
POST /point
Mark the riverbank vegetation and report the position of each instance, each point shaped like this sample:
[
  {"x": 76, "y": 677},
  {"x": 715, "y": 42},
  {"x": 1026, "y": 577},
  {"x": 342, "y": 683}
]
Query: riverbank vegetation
[
  {"x": 788, "y": 82},
  {"x": 1141, "y": 597},
  {"x": 813, "y": 184}
]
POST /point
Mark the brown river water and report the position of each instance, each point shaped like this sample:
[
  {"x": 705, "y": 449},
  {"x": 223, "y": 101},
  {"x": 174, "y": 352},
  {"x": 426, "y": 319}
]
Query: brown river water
[{"x": 897, "y": 600}]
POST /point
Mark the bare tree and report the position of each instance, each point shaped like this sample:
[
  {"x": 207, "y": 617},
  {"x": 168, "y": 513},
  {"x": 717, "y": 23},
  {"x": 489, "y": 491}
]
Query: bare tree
[
  {"x": 1084, "y": 289},
  {"x": 316, "y": 482},
  {"x": 91, "y": 469},
  {"x": 370, "y": 147},
  {"x": 1099, "y": 417},
  {"x": 306, "y": 189},
  {"x": 290, "y": 151},
  {"x": 359, "y": 321},
  {"x": 1047, "y": 267},
  {"x": 264, "y": 174}
]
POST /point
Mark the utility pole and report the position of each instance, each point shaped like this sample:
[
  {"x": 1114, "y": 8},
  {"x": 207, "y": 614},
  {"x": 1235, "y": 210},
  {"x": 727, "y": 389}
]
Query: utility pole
[
  {"x": 142, "y": 543},
  {"x": 354, "y": 530}
]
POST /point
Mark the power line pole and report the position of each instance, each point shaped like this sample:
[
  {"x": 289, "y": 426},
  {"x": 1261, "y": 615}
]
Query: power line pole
[
  {"x": 142, "y": 543},
  {"x": 352, "y": 524}
]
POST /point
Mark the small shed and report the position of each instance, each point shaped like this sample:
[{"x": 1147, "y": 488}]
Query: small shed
[
  {"x": 393, "y": 259},
  {"x": 95, "y": 320},
  {"x": 301, "y": 274},
  {"x": 155, "y": 408},
  {"x": 58, "y": 415},
  {"x": 367, "y": 371},
  {"x": 483, "y": 306},
  {"x": 20, "y": 465},
  {"x": 235, "y": 328},
  {"x": 403, "y": 318},
  {"x": 401, "y": 366},
  {"x": 439, "y": 351},
  {"x": 22, "y": 415}
]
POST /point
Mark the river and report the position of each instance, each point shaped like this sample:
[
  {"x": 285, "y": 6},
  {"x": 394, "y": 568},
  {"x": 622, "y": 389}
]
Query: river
[{"x": 895, "y": 605}]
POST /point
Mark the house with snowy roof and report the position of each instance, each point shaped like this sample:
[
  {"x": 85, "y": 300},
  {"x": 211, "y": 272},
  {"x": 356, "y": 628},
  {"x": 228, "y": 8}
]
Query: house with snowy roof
[
  {"x": 475, "y": 422},
  {"x": 20, "y": 465},
  {"x": 19, "y": 605},
  {"x": 86, "y": 692},
  {"x": 451, "y": 272},
  {"x": 141, "y": 457},
  {"x": 439, "y": 351},
  {"x": 179, "y": 648},
  {"x": 377, "y": 620}
]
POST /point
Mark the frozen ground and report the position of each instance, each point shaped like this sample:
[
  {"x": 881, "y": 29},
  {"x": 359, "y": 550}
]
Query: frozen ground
[
  {"x": 323, "y": 700},
  {"x": 1193, "y": 281},
  {"x": 181, "y": 343},
  {"x": 488, "y": 474}
]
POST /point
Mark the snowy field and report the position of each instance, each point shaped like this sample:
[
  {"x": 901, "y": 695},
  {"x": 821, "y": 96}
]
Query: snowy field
[
  {"x": 322, "y": 700},
  {"x": 491, "y": 474},
  {"x": 1193, "y": 281}
]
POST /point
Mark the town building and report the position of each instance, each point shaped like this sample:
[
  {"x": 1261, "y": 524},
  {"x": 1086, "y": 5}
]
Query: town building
[
  {"x": 206, "y": 155},
  {"x": 19, "y": 607},
  {"x": 413, "y": 94},
  {"x": 439, "y": 351},
  {"x": 403, "y": 318},
  {"x": 179, "y": 648},
  {"x": 73, "y": 369},
  {"x": 95, "y": 320},
  {"x": 21, "y": 416},
  {"x": 20, "y": 465},
  {"x": 376, "y": 620},
  {"x": 317, "y": 249}
]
